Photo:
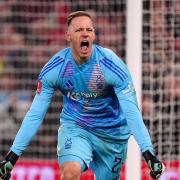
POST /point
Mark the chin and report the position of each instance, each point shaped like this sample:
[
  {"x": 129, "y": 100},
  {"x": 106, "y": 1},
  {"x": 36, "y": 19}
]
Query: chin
[{"x": 85, "y": 56}]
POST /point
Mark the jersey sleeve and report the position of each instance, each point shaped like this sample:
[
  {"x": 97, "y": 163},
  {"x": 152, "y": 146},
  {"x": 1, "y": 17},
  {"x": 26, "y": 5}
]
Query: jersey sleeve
[
  {"x": 47, "y": 84},
  {"x": 117, "y": 74}
]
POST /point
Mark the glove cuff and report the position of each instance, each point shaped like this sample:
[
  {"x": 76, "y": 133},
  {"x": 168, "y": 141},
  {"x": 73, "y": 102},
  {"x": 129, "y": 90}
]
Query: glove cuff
[
  {"x": 12, "y": 157},
  {"x": 148, "y": 156}
]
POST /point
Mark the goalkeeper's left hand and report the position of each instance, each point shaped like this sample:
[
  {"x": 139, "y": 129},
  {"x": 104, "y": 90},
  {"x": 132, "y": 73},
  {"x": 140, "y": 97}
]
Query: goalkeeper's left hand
[{"x": 156, "y": 167}]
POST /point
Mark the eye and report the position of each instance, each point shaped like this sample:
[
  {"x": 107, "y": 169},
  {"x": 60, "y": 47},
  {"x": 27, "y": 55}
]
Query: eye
[
  {"x": 90, "y": 29},
  {"x": 78, "y": 30}
]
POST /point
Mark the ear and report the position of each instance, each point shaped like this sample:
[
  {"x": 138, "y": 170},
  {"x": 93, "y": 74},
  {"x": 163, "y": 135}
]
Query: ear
[
  {"x": 68, "y": 36},
  {"x": 94, "y": 37}
]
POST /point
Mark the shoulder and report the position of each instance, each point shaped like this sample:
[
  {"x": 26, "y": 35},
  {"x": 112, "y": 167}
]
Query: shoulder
[
  {"x": 61, "y": 55},
  {"x": 55, "y": 63},
  {"x": 112, "y": 66},
  {"x": 107, "y": 57},
  {"x": 106, "y": 53},
  {"x": 102, "y": 50}
]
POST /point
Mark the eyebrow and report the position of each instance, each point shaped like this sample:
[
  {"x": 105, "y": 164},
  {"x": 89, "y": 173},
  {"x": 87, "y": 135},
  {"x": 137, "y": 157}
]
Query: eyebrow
[{"x": 87, "y": 29}]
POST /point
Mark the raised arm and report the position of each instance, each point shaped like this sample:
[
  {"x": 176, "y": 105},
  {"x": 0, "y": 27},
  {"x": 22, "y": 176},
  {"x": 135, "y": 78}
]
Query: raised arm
[{"x": 47, "y": 83}]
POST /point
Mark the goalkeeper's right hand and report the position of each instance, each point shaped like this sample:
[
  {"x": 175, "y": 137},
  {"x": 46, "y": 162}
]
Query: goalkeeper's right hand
[
  {"x": 6, "y": 165},
  {"x": 5, "y": 170}
]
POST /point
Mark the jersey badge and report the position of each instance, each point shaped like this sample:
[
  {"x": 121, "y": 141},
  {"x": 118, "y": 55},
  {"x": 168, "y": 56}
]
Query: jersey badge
[
  {"x": 68, "y": 143},
  {"x": 39, "y": 87}
]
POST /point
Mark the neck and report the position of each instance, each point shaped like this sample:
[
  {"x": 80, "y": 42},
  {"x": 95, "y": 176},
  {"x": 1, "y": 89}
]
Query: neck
[{"x": 80, "y": 61}]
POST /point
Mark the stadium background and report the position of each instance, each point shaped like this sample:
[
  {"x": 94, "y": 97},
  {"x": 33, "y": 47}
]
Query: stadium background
[{"x": 32, "y": 31}]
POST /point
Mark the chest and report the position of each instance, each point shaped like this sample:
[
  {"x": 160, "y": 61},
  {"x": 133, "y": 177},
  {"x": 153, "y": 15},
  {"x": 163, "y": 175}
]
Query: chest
[{"x": 87, "y": 81}]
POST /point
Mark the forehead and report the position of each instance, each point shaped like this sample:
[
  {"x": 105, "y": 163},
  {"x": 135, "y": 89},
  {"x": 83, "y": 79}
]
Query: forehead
[{"x": 82, "y": 21}]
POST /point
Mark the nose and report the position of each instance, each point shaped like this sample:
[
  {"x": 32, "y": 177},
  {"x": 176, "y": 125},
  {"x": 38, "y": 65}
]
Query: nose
[{"x": 85, "y": 33}]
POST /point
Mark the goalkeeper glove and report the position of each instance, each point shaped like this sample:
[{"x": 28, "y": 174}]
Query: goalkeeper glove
[
  {"x": 156, "y": 167},
  {"x": 6, "y": 165}
]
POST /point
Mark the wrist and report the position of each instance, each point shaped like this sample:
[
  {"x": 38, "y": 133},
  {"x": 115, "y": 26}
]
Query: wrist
[
  {"x": 12, "y": 157},
  {"x": 148, "y": 156}
]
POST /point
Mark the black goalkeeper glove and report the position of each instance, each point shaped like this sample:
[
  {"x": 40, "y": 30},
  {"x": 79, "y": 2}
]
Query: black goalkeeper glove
[
  {"x": 156, "y": 167},
  {"x": 6, "y": 165}
]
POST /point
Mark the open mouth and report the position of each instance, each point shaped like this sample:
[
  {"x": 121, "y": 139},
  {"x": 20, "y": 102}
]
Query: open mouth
[{"x": 84, "y": 45}]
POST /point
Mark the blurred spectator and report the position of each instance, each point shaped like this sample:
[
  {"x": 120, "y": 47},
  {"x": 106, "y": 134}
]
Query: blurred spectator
[
  {"x": 13, "y": 101},
  {"x": 52, "y": 28},
  {"x": 14, "y": 53},
  {"x": 5, "y": 9},
  {"x": 147, "y": 106},
  {"x": 7, "y": 120},
  {"x": 38, "y": 57},
  {"x": 10, "y": 40}
]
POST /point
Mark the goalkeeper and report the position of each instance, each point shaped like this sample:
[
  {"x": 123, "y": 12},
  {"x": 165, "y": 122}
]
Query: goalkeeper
[{"x": 99, "y": 113}]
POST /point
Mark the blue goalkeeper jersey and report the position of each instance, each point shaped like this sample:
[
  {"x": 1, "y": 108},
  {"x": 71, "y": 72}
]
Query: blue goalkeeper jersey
[{"x": 98, "y": 96}]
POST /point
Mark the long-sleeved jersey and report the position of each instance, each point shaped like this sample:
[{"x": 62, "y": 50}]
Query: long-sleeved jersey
[{"x": 98, "y": 96}]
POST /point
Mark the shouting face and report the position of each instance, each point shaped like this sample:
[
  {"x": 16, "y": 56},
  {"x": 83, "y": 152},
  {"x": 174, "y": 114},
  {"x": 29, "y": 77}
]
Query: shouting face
[{"x": 81, "y": 36}]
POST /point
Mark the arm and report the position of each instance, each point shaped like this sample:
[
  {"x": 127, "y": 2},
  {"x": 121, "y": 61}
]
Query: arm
[
  {"x": 48, "y": 82},
  {"x": 139, "y": 131},
  {"x": 32, "y": 120},
  {"x": 117, "y": 75},
  {"x": 135, "y": 123},
  {"x": 30, "y": 125},
  {"x": 129, "y": 107}
]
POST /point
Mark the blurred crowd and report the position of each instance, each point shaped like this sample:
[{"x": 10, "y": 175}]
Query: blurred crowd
[
  {"x": 32, "y": 31},
  {"x": 161, "y": 74}
]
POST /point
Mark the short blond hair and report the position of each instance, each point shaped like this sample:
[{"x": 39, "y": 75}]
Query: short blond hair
[{"x": 72, "y": 15}]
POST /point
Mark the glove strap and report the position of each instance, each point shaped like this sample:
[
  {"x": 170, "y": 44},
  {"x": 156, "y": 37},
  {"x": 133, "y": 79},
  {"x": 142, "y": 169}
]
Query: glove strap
[
  {"x": 12, "y": 157},
  {"x": 148, "y": 156}
]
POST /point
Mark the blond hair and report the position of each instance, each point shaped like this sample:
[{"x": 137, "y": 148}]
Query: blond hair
[{"x": 72, "y": 15}]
